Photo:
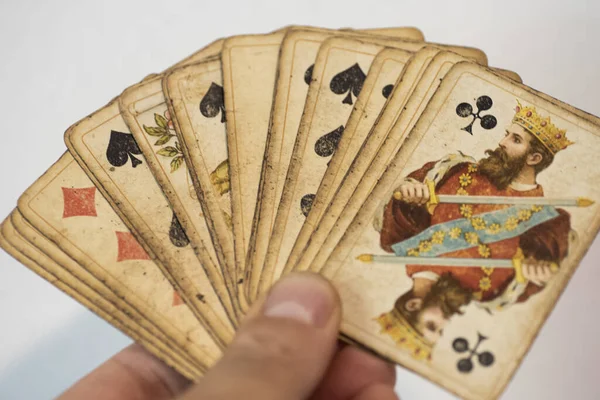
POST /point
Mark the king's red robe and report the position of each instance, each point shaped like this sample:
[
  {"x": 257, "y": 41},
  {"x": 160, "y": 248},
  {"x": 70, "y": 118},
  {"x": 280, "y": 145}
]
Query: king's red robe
[{"x": 547, "y": 241}]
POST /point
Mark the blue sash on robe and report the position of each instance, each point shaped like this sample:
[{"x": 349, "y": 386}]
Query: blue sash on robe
[{"x": 485, "y": 236}]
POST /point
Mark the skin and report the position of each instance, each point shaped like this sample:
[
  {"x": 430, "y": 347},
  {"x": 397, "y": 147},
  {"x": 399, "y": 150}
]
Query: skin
[
  {"x": 516, "y": 143},
  {"x": 286, "y": 349}
]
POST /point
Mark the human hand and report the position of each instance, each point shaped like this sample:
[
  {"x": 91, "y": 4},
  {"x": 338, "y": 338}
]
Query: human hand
[
  {"x": 538, "y": 272},
  {"x": 286, "y": 349},
  {"x": 412, "y": 192}
]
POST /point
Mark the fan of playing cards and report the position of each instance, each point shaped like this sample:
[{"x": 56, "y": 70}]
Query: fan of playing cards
[{"x": 447, "y": 202}]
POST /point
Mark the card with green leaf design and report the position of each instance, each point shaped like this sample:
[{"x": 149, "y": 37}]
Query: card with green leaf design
[
  {"x": 144, "y": 109},
  {"x": 195, "y": 97}
]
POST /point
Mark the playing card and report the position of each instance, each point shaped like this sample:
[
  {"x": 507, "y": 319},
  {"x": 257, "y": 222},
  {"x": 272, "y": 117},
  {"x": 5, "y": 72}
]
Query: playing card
[
  {"x": 360, "y": 124},
  {"x": 116, "y": 164},
  {"x": 195, "y": 98},
  {"x": 401, "y": 113},
  {"x": 398, "y": 118},
  {"x": 249, "y": 68},
  {"x": 385, "y": 71},
  {"x": 462, "y": 271},
  {"x": 64, "y": 206},
  {"x": 337, "y": 79},
  {"x": 32, "y": 257},
  {"x": 296, "y": 61},
  {"x": 144, "y": 109},
  {"x": 249, "y": 76}
]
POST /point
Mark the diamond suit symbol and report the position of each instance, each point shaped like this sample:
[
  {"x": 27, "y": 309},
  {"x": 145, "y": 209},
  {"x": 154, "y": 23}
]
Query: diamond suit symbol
[{"x": 79, "y": 202}]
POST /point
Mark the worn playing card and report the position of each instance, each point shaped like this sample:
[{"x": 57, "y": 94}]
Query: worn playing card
[
  {"x": 337, "y": 79},
  {"x": 64, "y": 206},
  {"x": 350, "y": 145},
  {"x": 294, "y": 69},
  {"x": 463, "y": 251},
  {"x": 360, "y": 171},
  {"x": 32, "y": 257},
  {"x": 249, "y": 76},
  {"x": 401, "y": 113},
  {"x": 385, "y": 71},
  {"x": 249, "y": 68},
  {"x": 115, "y": 162},
  {"x": 195, "y": 99},
  {"x": 144, "y": 109}
]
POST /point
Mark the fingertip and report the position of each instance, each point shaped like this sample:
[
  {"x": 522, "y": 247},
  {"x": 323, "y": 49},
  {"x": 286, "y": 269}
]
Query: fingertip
[{"x": 305, "y": 297}]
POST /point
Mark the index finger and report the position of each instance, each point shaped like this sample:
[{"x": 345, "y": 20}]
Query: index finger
[
  {"x": 352, "y": 372},
  {"x": 131, "y": 374}
]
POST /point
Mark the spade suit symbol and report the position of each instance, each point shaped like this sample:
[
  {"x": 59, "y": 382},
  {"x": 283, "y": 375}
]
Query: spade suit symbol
[
  {"x": 122, "y": 147},
  {"x": 213, "y": 102},
  {"x": 325, "y": 146},
  {"x": 308, "y": 74},
  {"x": 177, "y": 234},
  {"x": 348, "y": 81},
  {"x": 387, "y": 90},
  {"x": 306, "y": 203}
]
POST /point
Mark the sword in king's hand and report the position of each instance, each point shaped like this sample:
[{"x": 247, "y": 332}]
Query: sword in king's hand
[
  {"x": 516, "y": 262},
  {"x": 435, "y": 199}
]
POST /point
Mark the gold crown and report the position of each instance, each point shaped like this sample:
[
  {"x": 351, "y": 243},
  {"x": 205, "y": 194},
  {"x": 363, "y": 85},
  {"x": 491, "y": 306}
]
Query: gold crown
[
  {"x": 553, "y": 138},
  {"x": 405, "y": 336}
]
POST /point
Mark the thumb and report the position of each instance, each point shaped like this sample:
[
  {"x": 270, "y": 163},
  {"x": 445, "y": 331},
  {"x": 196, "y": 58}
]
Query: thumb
[{"x": 284, "y": 347}]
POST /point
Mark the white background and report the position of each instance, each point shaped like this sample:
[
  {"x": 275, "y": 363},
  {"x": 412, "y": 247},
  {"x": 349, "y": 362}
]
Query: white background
[{"x": 61, "y": 60}]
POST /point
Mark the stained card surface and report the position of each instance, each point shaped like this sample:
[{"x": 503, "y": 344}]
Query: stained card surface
[
  {"x": 294, "y": 73},
  {"x": 249, "y": 68},
  {"x": 398, "y": 118},
  {"x": 472, "y": 233},
  {"x": 44, "y": 266},
  {"x": 144, "y": 109},
  {"x": 387, "y": 69},
  {"x": 336, "y": 80},
  {"x": 106, "y": 147},
  {"x": 196, "y": 104},
  {"x": 359, "y": 169},
  {"x": 65, "y": 207}
]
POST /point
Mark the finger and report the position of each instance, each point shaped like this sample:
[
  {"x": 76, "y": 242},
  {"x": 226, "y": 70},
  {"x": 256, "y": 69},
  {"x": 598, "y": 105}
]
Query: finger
[
  {"x": 405, "y": 193},
  {"x": 131, "y": 374},
  {"x": 409, "y": 193},
  {"x": 426, "y": 194},
  {"x": 376, "y": 392},
  {"x": 351, "y": 371},
  {"x": 418, "y": 194},
  {"x": 281, "y": 352},
  {"x": 546, "y": 274},
  {"x": 534, "y": 275}
]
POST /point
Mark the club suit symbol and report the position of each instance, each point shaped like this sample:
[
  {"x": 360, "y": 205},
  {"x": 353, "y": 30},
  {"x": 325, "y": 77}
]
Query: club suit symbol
[
  {"x": 483, "y": 103},
  {"x": 348, "y": 81},
  {"x": 465, "y": 365}
]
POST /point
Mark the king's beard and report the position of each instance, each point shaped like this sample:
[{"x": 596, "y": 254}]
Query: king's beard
[{"x": 501, "y": 169}]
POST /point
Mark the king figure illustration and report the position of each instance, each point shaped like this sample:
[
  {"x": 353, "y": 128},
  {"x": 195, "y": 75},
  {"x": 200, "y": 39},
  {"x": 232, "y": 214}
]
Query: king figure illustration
[{"x": 474, "y": 231}]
